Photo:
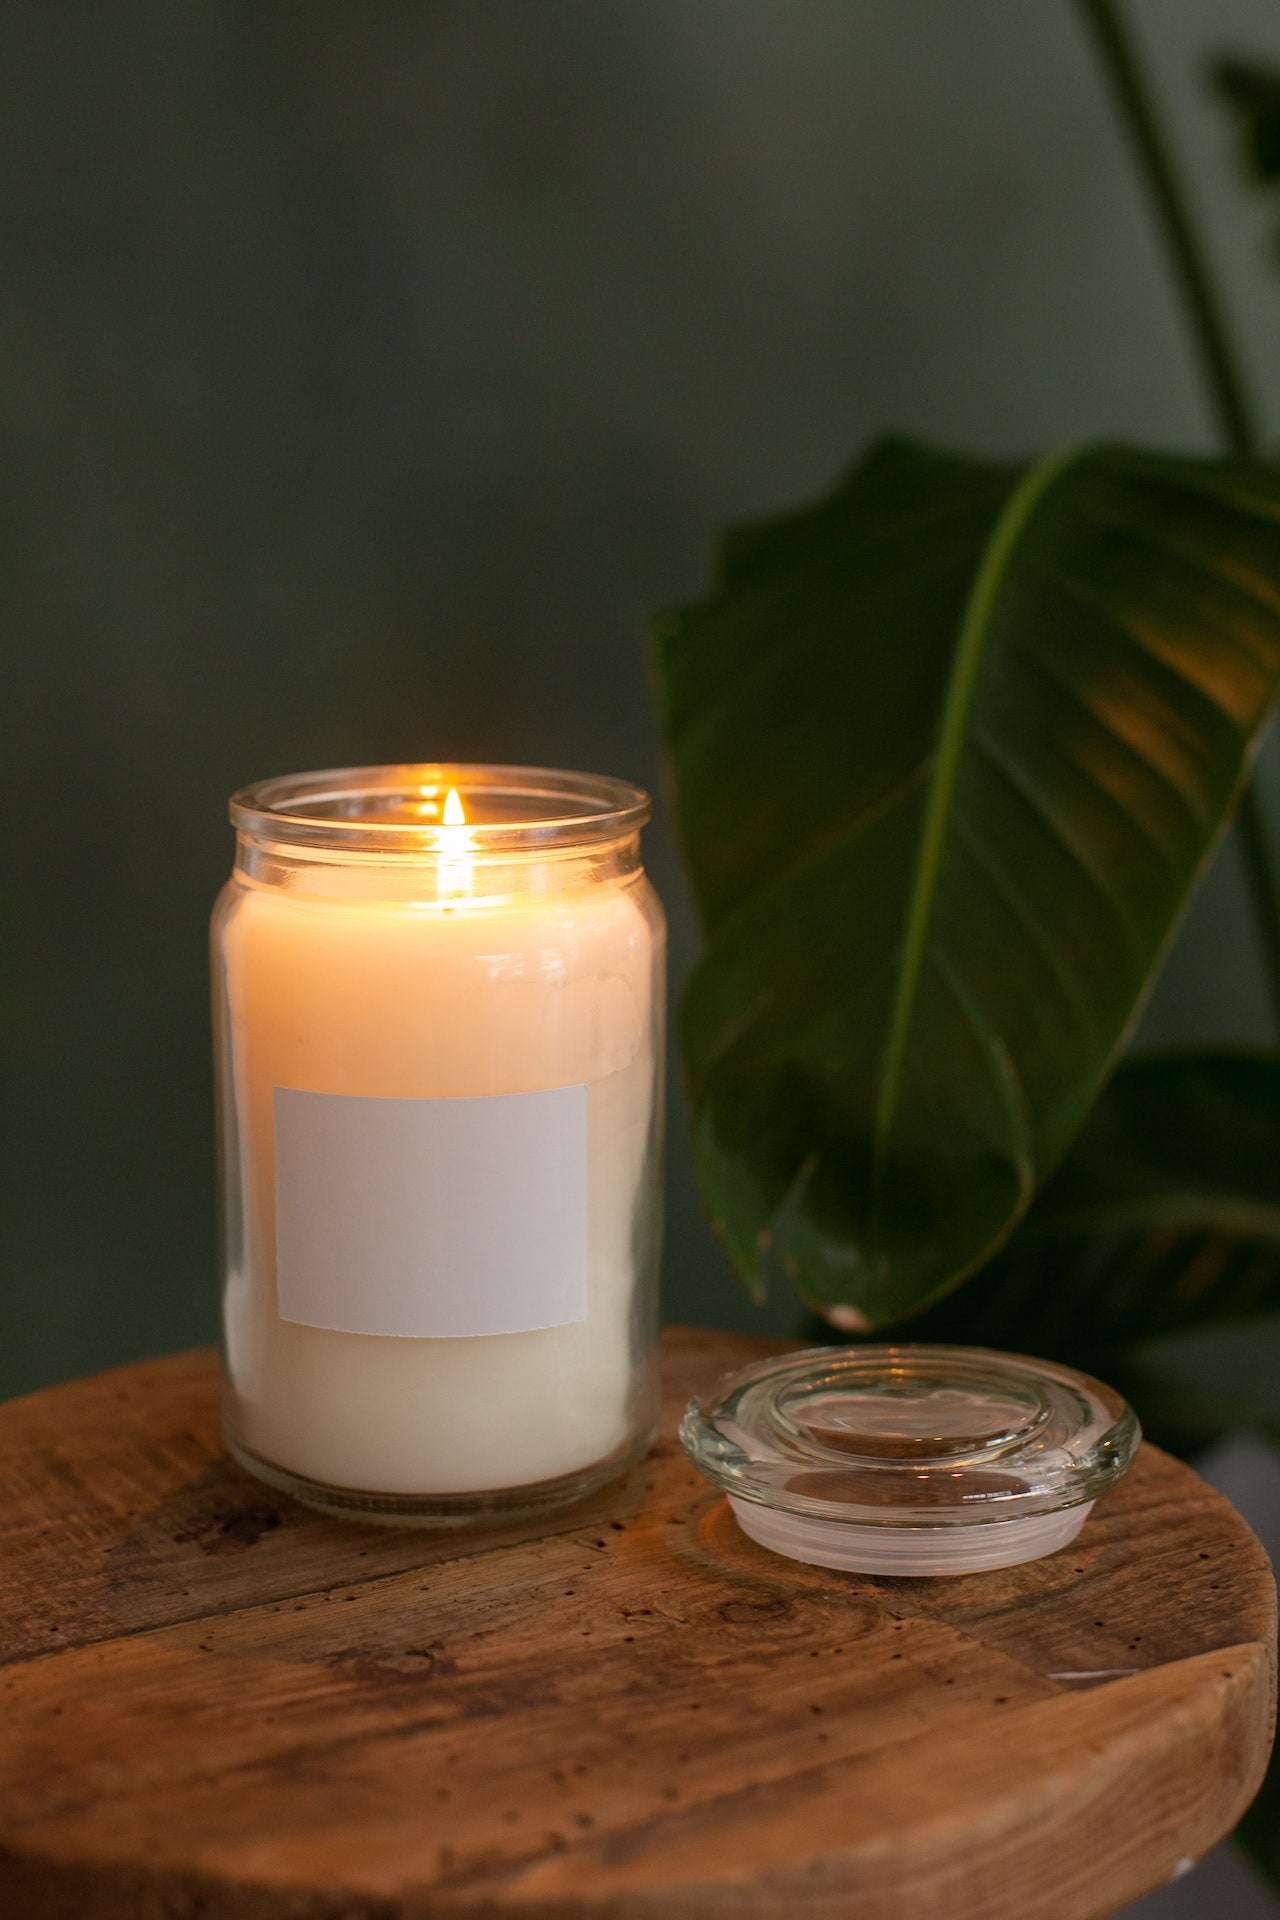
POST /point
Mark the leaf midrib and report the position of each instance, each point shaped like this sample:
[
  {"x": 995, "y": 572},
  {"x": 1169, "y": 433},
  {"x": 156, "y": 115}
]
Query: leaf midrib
[{"x": 975, "y": 630}]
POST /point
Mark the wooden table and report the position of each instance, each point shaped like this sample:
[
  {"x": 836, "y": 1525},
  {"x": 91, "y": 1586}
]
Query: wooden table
[{"x": 217, "y": 1704}]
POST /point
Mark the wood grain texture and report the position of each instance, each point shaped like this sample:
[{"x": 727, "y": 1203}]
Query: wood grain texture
[{"x": 215, "y": 1703}]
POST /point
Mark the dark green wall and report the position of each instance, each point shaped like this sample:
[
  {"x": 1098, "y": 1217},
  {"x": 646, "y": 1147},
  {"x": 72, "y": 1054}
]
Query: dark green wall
[{"x": 371, "y": 372}]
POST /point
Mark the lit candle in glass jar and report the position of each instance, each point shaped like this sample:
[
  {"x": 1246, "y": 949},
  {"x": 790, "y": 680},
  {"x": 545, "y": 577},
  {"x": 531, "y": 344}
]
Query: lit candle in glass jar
[{"x": 439, "y": 996}]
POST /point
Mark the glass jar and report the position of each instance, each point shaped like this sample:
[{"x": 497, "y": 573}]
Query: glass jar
[{"x": 438, "y": 1002}]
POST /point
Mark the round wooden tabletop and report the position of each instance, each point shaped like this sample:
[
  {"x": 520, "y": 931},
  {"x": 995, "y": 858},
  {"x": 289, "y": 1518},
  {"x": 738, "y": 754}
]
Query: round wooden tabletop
[{"x": 216, "y": 1703}]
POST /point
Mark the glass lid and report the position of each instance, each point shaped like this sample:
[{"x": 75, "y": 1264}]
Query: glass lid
[{"x": 911, "y": 1459}]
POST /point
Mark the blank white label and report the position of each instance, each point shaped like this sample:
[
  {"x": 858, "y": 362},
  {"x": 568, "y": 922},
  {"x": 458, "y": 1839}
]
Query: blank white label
[{"x": 437, "y": 1218}]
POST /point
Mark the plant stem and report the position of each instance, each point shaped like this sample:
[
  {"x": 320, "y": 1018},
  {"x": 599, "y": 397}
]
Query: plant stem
[
  {"x": 1222, "y": 374},
  {"x": 1264, "y": 885},
  {"x": 1204, "y": 307}
]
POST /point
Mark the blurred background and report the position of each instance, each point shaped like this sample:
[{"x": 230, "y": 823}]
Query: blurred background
[{"x": 373, "y": 373}]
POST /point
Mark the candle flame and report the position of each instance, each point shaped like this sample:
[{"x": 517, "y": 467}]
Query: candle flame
[{"x": 455, "y": 845}]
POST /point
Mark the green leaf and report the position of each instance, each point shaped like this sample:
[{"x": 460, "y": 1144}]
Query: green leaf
[
  {"x": 1164, "y": 1217},
  {"x": 950, "y": 750},
  {"x": 1193, "y": 1386},
  {"x": 1253, "y": 91}
]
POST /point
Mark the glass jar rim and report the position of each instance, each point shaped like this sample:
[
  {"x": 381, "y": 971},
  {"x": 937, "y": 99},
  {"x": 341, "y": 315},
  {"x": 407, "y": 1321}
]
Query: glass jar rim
[{"x": 400, "y": 808}]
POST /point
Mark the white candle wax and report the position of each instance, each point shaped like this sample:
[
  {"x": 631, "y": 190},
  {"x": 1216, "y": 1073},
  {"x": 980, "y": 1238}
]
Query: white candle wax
[{"x": 332, "y": 987}]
